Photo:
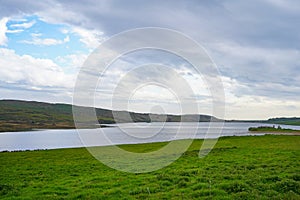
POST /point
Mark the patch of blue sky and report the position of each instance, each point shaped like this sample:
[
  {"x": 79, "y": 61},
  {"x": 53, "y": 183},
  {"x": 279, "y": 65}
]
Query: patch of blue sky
[{"x": 29, "y": 40}]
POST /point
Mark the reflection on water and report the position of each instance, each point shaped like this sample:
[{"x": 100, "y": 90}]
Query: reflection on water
[{"x": 123, "y": 134}]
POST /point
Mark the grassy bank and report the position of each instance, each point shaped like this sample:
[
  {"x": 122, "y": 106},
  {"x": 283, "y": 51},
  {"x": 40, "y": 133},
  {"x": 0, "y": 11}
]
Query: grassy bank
[{"x": 252, "y": 167}]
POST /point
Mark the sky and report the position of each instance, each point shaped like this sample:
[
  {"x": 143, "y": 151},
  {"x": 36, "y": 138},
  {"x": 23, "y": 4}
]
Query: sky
[{"x": 254, "y": 44}]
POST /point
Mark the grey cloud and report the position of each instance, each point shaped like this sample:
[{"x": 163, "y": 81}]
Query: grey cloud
[
  {"x": 257, "y": 22},
  {"x": 21, "y": 7},
  {"x": 261, "y": 37}
]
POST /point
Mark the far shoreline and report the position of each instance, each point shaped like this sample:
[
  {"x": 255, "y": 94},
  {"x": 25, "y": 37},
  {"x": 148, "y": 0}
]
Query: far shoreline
[
  {"x": 275, "y": 133},
  {"x": 251, "y": 134}
]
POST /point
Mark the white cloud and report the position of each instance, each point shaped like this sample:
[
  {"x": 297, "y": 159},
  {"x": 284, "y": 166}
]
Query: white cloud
[
  {"x": 256, "y": 105},
  {"x": 3, "y": 31},
  {"x": 91, "y": 38},
  {"x": 36, "y": 40},
  {"x": 60, "y": 14},
  {"x": 15, "y": 31},
  {"x": 71, "y": 62},
  {"x": 32, "y": 72},
  {"x": 24, "y": 25}
]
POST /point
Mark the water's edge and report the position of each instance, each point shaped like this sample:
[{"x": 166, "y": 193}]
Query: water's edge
[{"x": 123, "y": 134}]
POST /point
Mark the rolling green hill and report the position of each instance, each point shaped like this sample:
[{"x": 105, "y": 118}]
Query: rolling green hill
[{"x": 16, "y": 115}]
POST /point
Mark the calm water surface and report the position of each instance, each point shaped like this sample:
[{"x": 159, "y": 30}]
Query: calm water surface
[{"x": 121, "y": 134}]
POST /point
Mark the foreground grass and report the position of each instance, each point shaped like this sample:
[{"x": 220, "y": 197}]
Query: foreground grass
[{"x": 252, "y": 167}]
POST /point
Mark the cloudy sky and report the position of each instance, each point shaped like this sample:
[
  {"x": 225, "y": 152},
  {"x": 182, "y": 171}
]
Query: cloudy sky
[{"x": 255, "y": 45}]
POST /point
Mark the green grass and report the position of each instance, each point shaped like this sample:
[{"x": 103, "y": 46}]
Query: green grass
[{"x": 250, "y": 167}]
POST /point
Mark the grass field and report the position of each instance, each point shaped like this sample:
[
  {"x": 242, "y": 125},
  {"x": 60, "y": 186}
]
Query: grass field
[{"x": 250, "y": 167}]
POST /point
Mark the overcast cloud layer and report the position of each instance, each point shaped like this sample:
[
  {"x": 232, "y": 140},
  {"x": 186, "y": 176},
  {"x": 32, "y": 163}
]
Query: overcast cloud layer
[{"x": 255, "y": 44}]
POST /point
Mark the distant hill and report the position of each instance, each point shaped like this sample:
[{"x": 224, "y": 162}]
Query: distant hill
[
  {"x": 285, "y": 120},
  {"x": 17, "y": 115},
  {"x": 280, "y": 120}
]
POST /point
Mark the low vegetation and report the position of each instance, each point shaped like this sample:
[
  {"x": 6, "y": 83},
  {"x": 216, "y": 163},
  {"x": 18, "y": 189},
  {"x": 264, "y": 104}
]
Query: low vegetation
[
  {"x": 272, "y": 129},
  {"x": 248, "y": 167},
  {"x": 288, "y": 121}
]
